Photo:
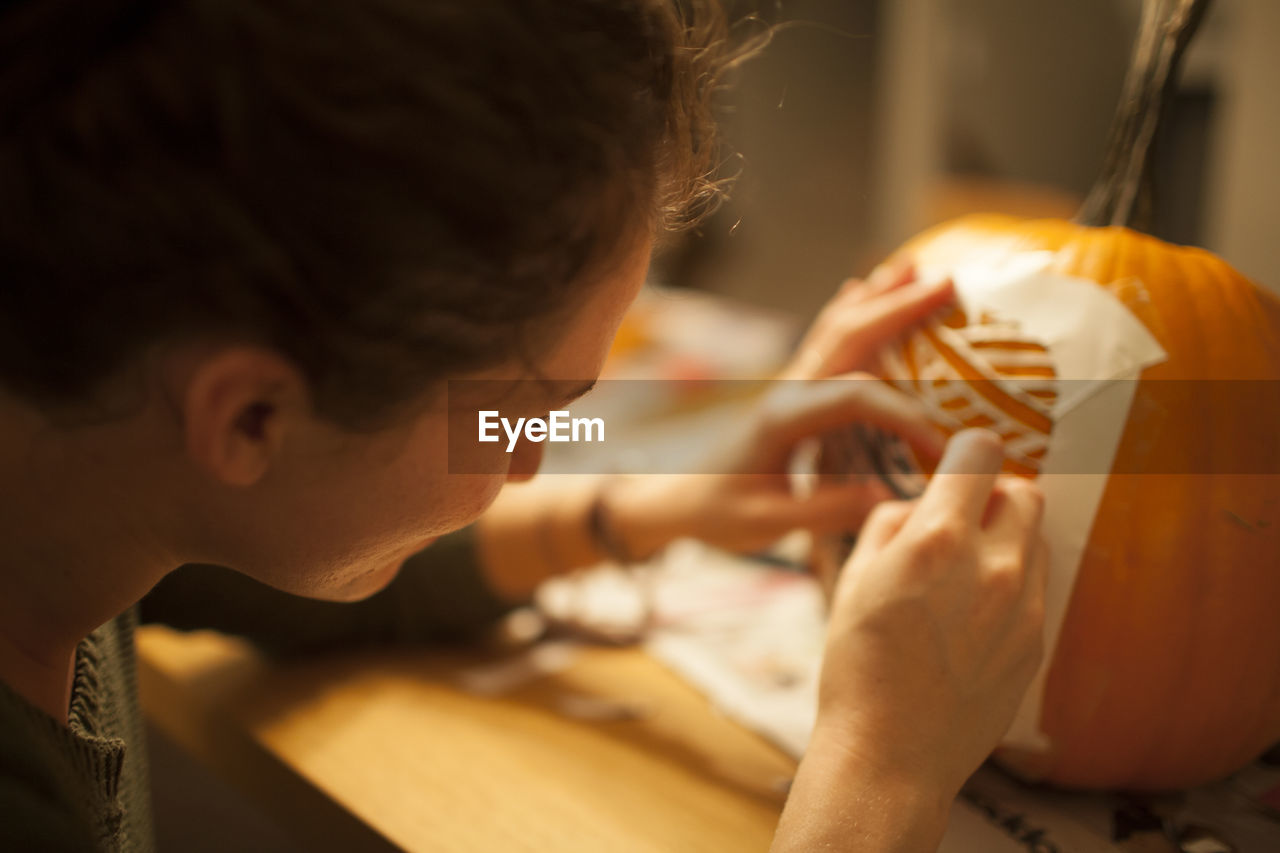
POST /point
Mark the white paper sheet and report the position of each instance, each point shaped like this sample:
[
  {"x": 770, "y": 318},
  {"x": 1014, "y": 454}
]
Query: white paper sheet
[{"x": 1097, "y": 345}]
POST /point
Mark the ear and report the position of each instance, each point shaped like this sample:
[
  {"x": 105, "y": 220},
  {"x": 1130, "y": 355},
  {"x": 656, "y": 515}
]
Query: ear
[{"x": 238, "y": 405}]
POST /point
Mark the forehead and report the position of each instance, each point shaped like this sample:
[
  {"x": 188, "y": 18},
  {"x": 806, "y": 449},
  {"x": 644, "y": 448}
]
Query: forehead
[
  {"x": 582, "y": 339},
  {"x": 583, "y": 343}
]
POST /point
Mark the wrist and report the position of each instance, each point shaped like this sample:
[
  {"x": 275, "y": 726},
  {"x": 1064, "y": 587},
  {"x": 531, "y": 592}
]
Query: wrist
[
  {"x": 886, "y": 761},
  {"x": 894, "y": 754},
  {"x": 636, "y": 517},
  {"x": 854, "y": 796},
  {"x": 532, "y": 532}
]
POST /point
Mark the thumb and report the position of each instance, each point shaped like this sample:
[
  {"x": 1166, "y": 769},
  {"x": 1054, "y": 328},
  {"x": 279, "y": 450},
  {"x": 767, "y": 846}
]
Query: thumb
[
  {"x": 797, "y": 410},
  {"x": 837, "y": 507}
]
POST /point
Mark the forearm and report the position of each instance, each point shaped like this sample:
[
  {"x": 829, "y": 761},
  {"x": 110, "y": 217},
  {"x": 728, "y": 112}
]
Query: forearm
[
  {"x": 534, "y": 531},
  {"x": 839, "y": 801},
  {"x": 537, "y": 530}
]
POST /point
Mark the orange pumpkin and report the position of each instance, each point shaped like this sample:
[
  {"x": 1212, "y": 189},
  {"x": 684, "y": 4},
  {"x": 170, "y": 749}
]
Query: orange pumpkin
[
  {"x": 1166, "y": 671},
  {"x": 1167, "y": 668}
]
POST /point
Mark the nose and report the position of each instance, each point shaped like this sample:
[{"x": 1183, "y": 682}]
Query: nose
[{"x": 526, "y": 458}]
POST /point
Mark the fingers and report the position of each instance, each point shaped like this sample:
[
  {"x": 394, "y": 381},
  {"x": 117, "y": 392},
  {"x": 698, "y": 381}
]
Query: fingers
[
  {"x": 1011, "y": 530},
  {"x": 837, "y": 508},
  {"x": 890, "y": 275},
  {"x": 963, "y": 482},
  {"x": 900, "y": 307},
  {"x": 1038, "y": 575},
  {"x": 864, "y": 316},
  {"x": 863, "y": 326},
  {"x": 799, "y": 409},
  {"x": 883, "y": 524},
  {"x": 1032, "y": 601},
  {"x": 1015, "y": 511}
]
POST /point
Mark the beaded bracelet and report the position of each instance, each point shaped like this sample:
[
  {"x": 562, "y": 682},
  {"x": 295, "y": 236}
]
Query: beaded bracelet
[{"x": 603, "y": 533}]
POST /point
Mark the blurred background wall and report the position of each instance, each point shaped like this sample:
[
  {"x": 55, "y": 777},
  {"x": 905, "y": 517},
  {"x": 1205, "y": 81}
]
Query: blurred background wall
[{"x": 867, "y": 120}]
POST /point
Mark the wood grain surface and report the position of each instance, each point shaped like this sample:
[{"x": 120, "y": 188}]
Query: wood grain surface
[{"x": 383, "y": 749}]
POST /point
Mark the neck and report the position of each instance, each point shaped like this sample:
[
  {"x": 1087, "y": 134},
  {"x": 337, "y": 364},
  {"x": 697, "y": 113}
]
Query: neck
[{"x": 78, "y": 548}]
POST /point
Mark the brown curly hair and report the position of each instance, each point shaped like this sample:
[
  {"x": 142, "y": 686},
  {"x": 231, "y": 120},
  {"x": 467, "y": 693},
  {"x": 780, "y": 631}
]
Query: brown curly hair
[{"x": 388, "y": 192}]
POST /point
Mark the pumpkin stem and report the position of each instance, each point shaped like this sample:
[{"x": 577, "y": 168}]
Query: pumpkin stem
[{"x": 1166, "y": 29}]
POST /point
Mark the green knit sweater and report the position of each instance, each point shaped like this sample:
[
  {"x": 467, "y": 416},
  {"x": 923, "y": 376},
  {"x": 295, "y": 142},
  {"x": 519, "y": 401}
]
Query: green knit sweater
[{"x": 83, "y": 785}]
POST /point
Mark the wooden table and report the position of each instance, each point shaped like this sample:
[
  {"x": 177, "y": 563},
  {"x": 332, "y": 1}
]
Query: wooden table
[{"x": 384, "y": 750}]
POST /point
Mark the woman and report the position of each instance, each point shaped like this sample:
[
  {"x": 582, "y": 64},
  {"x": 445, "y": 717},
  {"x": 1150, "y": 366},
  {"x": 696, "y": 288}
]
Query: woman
[{"x": 245, "y": 245}]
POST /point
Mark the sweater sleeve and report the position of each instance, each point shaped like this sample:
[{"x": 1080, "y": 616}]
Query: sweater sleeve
[
  {"x": 440, "y": 594},
  {"x": 44, "y": 802}
]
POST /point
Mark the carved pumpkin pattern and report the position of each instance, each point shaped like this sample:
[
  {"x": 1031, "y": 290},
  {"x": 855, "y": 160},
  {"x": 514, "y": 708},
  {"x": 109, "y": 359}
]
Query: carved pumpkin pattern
[{"x": 985, "y": 374}]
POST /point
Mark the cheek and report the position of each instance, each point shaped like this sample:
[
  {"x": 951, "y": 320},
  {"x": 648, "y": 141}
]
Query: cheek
[
  {"x": 360, "y": 553},
  {"x": 433, "y": 500},
  {"x": 466, "y": 497},
  {"x": 389, "y": 509}
]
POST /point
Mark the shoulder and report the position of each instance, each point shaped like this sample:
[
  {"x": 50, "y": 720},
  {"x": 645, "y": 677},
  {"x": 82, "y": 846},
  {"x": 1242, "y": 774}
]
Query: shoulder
[{"x": 44, "y": 803}]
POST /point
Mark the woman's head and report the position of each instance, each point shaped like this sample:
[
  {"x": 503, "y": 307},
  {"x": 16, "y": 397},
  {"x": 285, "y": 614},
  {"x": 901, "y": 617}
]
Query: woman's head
[
  {"x": 385, "y": 192},
  {"x": 242, "y": 242}
]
